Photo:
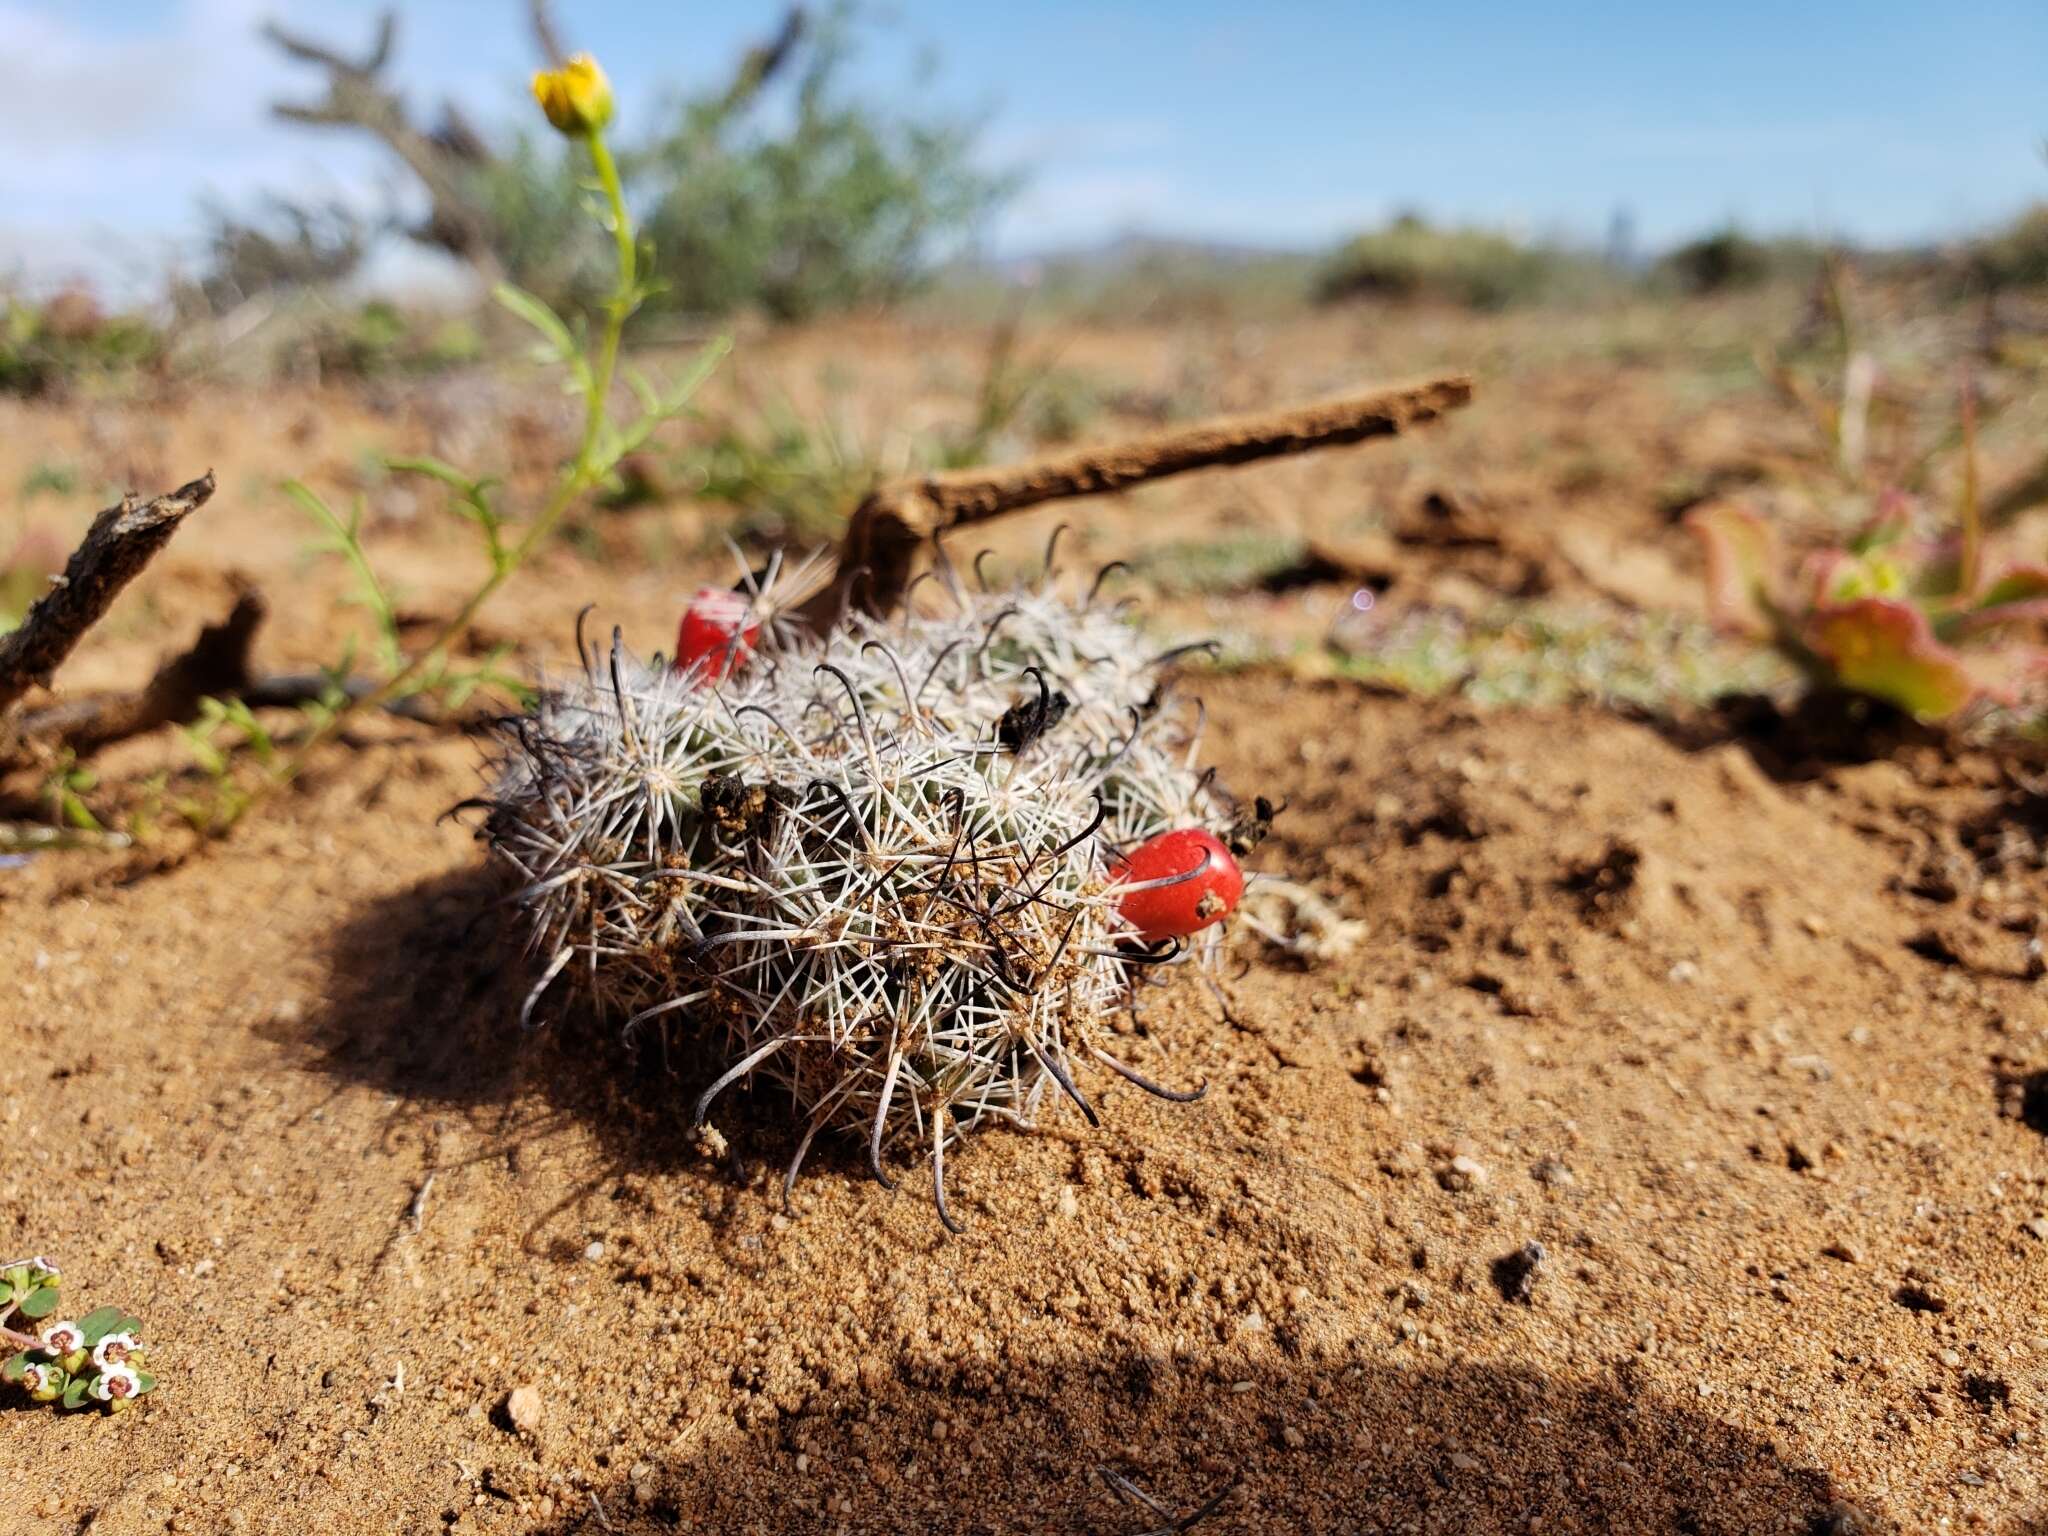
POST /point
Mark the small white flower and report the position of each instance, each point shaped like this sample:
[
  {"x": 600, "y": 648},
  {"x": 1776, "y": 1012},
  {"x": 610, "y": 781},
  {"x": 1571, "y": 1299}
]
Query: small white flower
[
  {"x": 116, "y": 1381},
  {"x": 62, "y": 1338},
  {"x": 38, "y": 1378},
  {"x": 113, "y": 1349}
]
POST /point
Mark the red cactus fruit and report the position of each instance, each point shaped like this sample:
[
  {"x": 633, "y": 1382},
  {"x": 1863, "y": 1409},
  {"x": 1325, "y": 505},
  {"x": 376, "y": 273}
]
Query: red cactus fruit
[
  {"x": 1204, "y": 883},
  {"x": 718, "y": 632}
]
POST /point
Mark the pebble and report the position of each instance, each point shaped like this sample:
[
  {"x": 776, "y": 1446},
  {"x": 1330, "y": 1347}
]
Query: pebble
[
  {"x": 1549, "y": 1170},
  {"x": 594, "y": 1252},
  {"x": 1848, "y": 1253},
  {"x": 1295, "y": 1438},
  {"x": 2039, "y": 1227},
  {"x": 523, "y": 1409},
  {"x": 1460, "y": 1173}
]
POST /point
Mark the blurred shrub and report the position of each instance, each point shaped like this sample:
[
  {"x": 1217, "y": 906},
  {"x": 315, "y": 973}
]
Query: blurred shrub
[
  {"x": 1728, "y": 259},
  {"x": 2013, "y": 257},
  {"x": 830, "y": 203},
  {"x": 378, "y": 338},
  {"x": 781, "y": 190},
  {"x": 1478, "y": 268},
  {"x": 67, "y": 341},
  {"x": 285, "y": 246}
]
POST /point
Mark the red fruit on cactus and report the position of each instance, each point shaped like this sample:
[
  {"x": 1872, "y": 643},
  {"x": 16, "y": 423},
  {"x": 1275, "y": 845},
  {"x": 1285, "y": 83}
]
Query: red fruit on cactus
[
  {"x": 1204, "y": 883},
  {"x": 719, "y": 631}
]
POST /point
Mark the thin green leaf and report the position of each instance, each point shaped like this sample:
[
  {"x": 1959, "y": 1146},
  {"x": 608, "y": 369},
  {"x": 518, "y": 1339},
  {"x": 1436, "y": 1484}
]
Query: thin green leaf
[
  {"x": 15, "y": 1366},
  {"x": 74, "y": 1393},
  {"x": 434, "y": 469},
  {"x": 535, "y": 312},
  {"x": 98, "y": 1323}
]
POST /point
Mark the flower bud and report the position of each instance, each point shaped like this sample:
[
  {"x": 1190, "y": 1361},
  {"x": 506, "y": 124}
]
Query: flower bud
[
  {"x": 576, "y": 97},
  {"x": 44, "y": 1383}
]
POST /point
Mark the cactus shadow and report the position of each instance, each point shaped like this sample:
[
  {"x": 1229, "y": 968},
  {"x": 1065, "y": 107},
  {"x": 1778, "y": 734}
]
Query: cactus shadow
[
  {"x": 1311, "y": 1445},
  {"x": 422, "y": 1004}
]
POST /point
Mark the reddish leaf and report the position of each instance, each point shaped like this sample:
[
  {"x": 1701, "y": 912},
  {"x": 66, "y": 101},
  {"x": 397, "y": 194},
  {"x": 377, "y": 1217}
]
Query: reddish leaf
[
  {"x": 1887, "y": 649},
  {"x": 1741, "y": 554}
]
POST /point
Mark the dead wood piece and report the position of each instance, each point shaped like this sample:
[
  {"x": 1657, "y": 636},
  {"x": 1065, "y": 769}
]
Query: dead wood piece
[
  {"x": 896, "y": 521},
  {"x": 216, "y": 666},
  {"x": 121, "y": 541}
]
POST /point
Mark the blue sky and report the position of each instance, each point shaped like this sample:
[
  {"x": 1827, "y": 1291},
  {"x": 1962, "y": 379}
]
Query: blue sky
[{"x": 1282, "y": 124}]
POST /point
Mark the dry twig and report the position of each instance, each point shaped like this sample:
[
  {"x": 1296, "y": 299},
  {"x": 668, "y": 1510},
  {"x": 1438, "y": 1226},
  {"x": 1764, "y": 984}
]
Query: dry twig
[
  {"x": 121, "y": 541},
  {"x": 216, "y": 666},
  {"x": 894, "y": 523}
]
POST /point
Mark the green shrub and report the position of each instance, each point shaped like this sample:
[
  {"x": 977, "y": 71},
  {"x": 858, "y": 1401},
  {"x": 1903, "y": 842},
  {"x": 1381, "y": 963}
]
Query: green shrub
[
  {"x": 2013, "y": 257},
  {"x": 1728, "y": 259},
  {"x": 1478, "y": 268},
  {"x": 52, "y": 347}
]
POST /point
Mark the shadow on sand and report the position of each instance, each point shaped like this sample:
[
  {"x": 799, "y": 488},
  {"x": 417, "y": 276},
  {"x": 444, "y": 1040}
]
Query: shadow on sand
[
  {"x": 1324, "y": 1448},
  {"x": 420, "y": 999}
]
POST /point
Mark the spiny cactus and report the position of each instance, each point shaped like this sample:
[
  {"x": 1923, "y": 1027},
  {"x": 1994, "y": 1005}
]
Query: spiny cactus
[{"x": 886, "y": 869}]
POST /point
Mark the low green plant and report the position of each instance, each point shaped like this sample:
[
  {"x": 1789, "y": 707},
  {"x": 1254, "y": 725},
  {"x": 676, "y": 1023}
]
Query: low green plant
[
  {"x": 67, "y": 341},
  {"x": 380, "y": 339},
  {"x": 577, "y": 100},
  {"x": 1544, "y": 653},
  {"x": 1919, "y": 624},
  {"x": 96, "y": 1362}
]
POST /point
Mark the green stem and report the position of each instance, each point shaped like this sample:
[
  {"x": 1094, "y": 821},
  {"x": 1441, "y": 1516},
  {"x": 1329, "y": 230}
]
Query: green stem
[{"x": 577, "y": 478}]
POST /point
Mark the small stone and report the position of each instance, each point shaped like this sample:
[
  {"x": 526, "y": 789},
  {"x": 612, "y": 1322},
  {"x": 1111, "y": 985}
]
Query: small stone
[
  {"x": 2038, "y": 1227},
  {"x": 1847, "y": 1253},
  {"x": 1070, "y": 1203},
  {"x": 594, "y": 1252},
  {"x": 1951, "y": 1359},
  {"x": 523, "y": 1409},
  {"x": 1685, "y": 972},
  {"x": 1461, "y": 1173},
  {"x": 1464, "y": 1462},
  {"x": 1295, "y": 1438},
  {"x": 1550, "y": 1171}
]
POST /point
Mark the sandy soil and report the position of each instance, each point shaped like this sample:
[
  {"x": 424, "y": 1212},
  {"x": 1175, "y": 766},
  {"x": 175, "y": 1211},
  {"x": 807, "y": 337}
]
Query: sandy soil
[{"x": 1746, "y": 1038}]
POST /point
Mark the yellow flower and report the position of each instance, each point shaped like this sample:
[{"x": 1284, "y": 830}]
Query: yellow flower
[{"x": 577, "y": 98}]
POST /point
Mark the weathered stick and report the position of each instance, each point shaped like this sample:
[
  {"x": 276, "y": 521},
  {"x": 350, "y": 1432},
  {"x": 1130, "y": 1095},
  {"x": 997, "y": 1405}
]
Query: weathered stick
[
  {"x": 890, "y": 527},
  {"x": 217, "y": 666},
  {"x": 120, "y": 543}
]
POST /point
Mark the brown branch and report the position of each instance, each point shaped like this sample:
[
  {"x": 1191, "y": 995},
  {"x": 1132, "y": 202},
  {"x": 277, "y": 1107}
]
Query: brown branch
[
  {"x": 216, "y": 666},
  {"x": 762, "y": 63},
  {"x": 356, "y": 98},
  {"x": 121, "y": 541},
  {"x": 890, "y": 527},
  {"x": 546, "y": 37}
]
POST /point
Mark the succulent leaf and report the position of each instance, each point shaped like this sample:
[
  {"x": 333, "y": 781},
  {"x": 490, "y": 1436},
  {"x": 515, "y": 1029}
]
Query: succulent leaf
[{"x": 1887, "y": 648}]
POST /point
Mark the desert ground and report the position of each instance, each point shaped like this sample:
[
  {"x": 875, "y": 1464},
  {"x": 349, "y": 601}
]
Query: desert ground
[{"x": 1664, "y": 1149}]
